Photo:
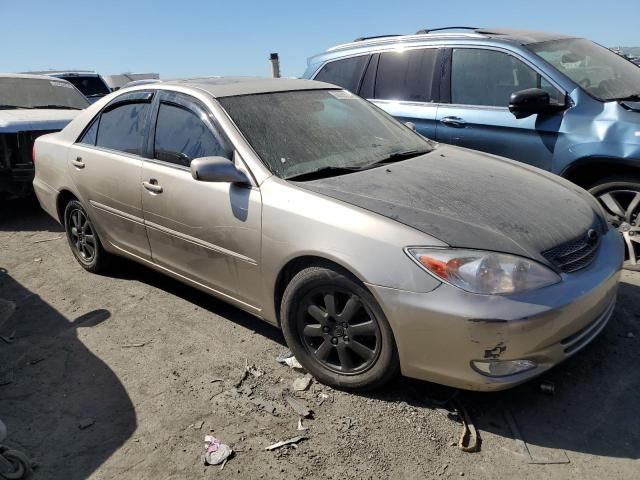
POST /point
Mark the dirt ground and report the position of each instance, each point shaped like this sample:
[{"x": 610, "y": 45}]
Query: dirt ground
[{"x": 122, "y": 376}]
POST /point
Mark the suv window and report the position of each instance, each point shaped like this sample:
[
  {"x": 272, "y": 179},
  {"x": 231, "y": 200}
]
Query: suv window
[
  {"x": 488, "y": 78},
  {"x": 406, "y": 75},
  {"x": 181, "y": 136},
  {"x": 345, "y": 73},
  {"x": 121, "y": 127}
]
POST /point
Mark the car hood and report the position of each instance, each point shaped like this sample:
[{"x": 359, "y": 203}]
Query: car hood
[
  {"x": 12, "y": 121},
  {"x": 468, "y": 199}
]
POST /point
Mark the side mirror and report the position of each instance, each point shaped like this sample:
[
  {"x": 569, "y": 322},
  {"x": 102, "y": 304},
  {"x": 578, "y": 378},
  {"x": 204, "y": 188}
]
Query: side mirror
[
  {"x": 530, "y": 102},
  {"x": 217, "y": 169}
]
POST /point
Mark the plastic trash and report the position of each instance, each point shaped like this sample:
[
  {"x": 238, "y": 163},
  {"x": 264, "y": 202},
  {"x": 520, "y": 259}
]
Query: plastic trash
[{"x": 215, "y": 452}]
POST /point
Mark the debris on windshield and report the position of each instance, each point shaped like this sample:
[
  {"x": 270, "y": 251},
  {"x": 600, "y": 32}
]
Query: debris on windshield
[
  {"x": 292, "y": 441},
  {"x": 215, "y": 452},
  {"x": 548, "y": 387},
  {"x": 302, "y": 383}
]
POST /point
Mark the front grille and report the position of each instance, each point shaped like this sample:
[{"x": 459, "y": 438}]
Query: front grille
[{"x": 576, "y": 254}]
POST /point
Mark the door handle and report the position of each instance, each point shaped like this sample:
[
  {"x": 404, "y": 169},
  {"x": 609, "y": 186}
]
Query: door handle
[
  {"x": 152, "y": 186},
  {"x": 455, "y": 122},
  {"x": 78, "y": 163}
]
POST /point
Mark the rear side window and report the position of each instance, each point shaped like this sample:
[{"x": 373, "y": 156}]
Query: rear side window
[
  {"x": 182, "y": 136},
  {"x": 407, "y": 75},
  {"x": 121, "y": 127},
  {"x": 488, "y": 78},
  {"x": 345, "y": 73}
]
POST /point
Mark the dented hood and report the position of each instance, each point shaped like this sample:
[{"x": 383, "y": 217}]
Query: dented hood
[
  {"x": 468, "y": 199},
  {"x": 23, "y": 120}
]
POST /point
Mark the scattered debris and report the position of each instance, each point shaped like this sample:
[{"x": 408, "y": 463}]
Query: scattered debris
[
  {"x": 548, "y": 387},
  {"x": 48, "y": 239},
  {"x": 287, "y": 358},
  {"x": 300, "y": 426},
  {"x": 85, "y": 423},
  {"x": 245, "y": 390},
  {"x": 322, "y": 397},
  {"x": 263, "y": 404},
  {"x": 198, "y": 425},
  {"x": 37, "y": 260},
  {"x": 252, "y": 370},
  {"x": 299, "y": 407},
  {"x": 292, "y": 441},
  {"x": 347, "y": 423},
  {"x": 241, "y": 378},
  {"x": 469, "y": 440},
  {"x": 302, "y": 383},
  {"x": 524, "y": 449},
  {"x": 9, "y": 339},
  {"x": 215, "y": 452},
  {"x": 442, "y": 469},
  {"x": 134, "y": 345}
]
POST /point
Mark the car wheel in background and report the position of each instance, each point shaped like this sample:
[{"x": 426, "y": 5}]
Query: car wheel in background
[
  {"x": 83, "y": 239},
  {"x": 620, "y": 198},
  {"x": 337, "y": 330}
]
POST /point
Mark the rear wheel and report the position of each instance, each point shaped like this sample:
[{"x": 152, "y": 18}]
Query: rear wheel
[
  {"x": 83, "y": 239},
  {"x": 620, "y": 197},
  {"x": 337, "y": 330}
]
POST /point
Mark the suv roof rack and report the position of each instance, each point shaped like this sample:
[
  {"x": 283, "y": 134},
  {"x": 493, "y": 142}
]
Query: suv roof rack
[
  {"x": 427, "y": 31},
  {"x": 361, "y": 39}
]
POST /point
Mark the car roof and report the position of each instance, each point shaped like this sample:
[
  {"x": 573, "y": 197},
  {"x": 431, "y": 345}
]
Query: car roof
[
  {"x": 220, "y": 87},
  {"x": 522, "y": 37},
  {"x": 88, "y": 73},
  {"x": 29, "y": 75}
]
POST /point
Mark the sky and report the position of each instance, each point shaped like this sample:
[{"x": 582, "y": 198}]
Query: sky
[{"x": 192, "y": 38}]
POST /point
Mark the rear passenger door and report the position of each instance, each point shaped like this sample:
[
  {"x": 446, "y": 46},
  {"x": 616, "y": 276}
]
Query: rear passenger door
[
  {"x": 208, "y": 232},
  {"x": 477, "y": 116},
  {"x": 404, "y": 83},
  {"x": 106, "y": 166}
]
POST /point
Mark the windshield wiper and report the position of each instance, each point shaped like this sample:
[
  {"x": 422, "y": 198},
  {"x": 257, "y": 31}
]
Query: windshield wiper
[
  {"x": 394, "y": 157},
  {"x": 329, "y": 171},
  {"x": 10, "y": 107},
  {"x": 59, "y": 107}
]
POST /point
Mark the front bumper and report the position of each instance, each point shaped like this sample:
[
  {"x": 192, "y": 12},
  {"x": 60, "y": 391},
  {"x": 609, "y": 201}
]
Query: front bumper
[{"x": 440, "y": 333}]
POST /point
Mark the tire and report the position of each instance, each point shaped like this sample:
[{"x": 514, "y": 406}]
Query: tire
[
  {"x": 620, "y": 198},
  {"x": 350, "y": 345},
  {"x": 83, "y": 238}
]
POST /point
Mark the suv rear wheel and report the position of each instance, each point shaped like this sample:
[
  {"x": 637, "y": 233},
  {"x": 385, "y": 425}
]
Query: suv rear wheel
[
  {"x": 620, "y": 197},
  {"x": 83, "y": 238}
]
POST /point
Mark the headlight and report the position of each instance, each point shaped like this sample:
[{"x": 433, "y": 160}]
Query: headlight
[{"x": 482, "y": 272}]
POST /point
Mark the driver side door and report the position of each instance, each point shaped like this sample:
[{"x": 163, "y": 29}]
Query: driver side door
[{"x": 206, "y": 232}]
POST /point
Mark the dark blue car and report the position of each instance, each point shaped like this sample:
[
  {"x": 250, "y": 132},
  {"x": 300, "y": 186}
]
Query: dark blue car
[{"x": 560, "y": 103}]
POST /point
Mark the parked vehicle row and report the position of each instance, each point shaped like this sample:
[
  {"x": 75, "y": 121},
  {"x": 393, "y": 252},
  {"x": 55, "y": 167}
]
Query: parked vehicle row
[
  {"x": 30, "y": 106},
  {"x": 91, "y": 84},
  {"x": 563, "y": 104},
  {"x": 376, "y": 250}
]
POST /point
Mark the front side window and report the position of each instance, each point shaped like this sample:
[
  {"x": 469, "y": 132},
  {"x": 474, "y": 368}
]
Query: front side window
[
  {"x": 182, "y": 136},
  {"x": 91, "y": 134},
  {"x": 488, "y": 78},
  {"x": 310, "y": 131},
  {"x": 121, "y": 127},
  {"x": 598, "y": 70},
  {"x": 345, "y": 73},
  {"x": 406, "y": 75}
]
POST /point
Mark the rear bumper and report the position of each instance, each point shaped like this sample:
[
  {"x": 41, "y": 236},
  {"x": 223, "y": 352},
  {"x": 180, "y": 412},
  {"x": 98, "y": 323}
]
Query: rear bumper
[
  {"x": 440, "y": 333},
  {"x": 47, "y": 197}
]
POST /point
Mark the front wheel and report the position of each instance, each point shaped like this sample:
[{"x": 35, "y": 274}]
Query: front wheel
[
  {"x": 620, "y": 198},
  {"x": 337, "y": 330}
]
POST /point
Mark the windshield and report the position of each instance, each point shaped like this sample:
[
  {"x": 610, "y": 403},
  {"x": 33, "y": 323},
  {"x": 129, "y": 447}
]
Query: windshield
[
  {"x": 300, "y": 132},
  {"x": 22, "y": 92},
  {"x": 91, "y": 86},
  {"x": 598, "y": 70}
]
